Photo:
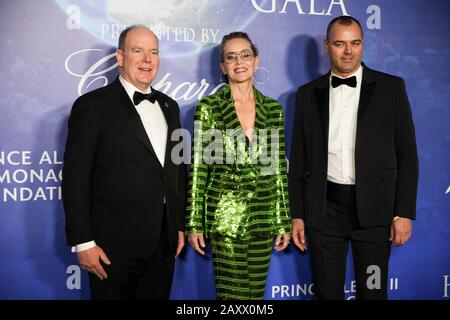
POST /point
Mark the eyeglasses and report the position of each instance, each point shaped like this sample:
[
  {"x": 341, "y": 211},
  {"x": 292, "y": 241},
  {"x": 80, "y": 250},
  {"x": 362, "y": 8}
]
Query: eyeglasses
[{"x": 246, "y": 55}]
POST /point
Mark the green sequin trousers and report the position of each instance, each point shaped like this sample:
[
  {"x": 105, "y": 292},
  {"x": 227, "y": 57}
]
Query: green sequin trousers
[{"x": 241, "y": 267}]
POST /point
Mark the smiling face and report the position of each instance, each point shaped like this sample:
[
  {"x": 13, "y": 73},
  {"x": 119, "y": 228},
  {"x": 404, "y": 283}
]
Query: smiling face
[
  {"x": 238, "y": 65},
  {"x": 139, "y": 60},
  {"x": 345, "y": 48}
]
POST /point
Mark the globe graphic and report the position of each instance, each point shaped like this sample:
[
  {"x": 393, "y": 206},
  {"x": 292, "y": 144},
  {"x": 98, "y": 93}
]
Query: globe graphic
[{"x": 183, "y": 26}]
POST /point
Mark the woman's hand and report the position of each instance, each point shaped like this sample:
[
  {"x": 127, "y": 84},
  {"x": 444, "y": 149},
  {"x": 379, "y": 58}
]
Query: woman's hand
[
  {"x": 282, "y": 241},
  {"x": 197, "y": 240}
]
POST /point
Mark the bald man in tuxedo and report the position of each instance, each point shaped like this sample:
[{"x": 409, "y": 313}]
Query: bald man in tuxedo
[{"x": 124, "y": 197}]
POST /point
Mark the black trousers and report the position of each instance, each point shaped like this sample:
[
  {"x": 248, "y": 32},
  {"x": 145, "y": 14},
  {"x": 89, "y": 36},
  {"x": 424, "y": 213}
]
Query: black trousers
[
  {"x": 329, "y": 248},
  {"x": 149, "y": 278}
]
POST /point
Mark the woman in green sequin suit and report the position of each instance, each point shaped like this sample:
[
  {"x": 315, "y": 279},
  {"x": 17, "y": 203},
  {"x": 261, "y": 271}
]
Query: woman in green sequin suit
[{"x": 238, "y": 185}]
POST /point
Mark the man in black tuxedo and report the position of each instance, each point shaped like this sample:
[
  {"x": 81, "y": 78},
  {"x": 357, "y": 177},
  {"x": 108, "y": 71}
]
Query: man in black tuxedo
[
  {"x": 124, "y": 197},
  {"x": 353, "y": 168}
]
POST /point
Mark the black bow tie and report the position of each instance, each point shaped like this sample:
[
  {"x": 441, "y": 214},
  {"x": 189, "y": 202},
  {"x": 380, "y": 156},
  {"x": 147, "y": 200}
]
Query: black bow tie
[
  {"x": 138, "y": 97},
  {"x": 336, "y": 81}
]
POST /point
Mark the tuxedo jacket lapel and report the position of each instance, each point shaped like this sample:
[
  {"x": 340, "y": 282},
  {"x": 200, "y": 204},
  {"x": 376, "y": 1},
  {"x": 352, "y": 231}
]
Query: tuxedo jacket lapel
[
  {"x": 323, "y": 103},
  {"x": 165, "y": 108},
  {"x": 167, "y": 111},
  {"x": 131, "y": 116},
  {"x": 367, "y": 87}
]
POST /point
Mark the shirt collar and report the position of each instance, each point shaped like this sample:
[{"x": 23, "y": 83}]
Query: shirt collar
[
  {"x": 357, "y": 74},
  {"x": 130, "y": 89}
]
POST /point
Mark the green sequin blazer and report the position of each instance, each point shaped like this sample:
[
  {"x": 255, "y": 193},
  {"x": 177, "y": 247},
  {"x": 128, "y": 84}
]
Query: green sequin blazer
[{"x": 237, "y": 188}]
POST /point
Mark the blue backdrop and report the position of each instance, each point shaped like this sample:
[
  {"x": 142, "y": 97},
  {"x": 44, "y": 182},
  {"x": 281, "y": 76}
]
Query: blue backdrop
[{"x": 54, "y": 51}]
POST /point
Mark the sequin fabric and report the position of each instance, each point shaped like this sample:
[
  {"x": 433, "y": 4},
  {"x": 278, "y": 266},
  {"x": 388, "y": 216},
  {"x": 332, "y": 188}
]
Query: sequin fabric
[{"x": 236, "y": 188}]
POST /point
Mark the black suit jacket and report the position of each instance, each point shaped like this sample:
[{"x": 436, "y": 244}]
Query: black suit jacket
[
  {"x": 385, "y": 152},
  {"x": 113, "y": 184}
]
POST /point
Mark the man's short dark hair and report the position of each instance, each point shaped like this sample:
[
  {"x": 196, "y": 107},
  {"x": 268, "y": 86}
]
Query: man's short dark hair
[{"x": 345, "y": 21}]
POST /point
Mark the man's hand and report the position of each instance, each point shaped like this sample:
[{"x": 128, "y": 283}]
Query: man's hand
[
  {"x": 181, "y": 242},
  {"x": 90, "y": 260},
  {"x": 282, "y": 241},
  {"x": 401, "y": 231},
  {"x": 298, "y": 234},
  {"x": 196, "y": 240}
]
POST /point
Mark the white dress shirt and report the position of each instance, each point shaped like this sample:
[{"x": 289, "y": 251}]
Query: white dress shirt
[
  {"x": 153, "y": 119},
  {"x": 155, "y": 126},
  {"x": 343, "y": 107}
]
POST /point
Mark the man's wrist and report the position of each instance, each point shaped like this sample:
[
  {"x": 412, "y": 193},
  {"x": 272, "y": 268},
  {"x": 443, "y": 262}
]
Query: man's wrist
[{"x": 84, "y": 246}]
